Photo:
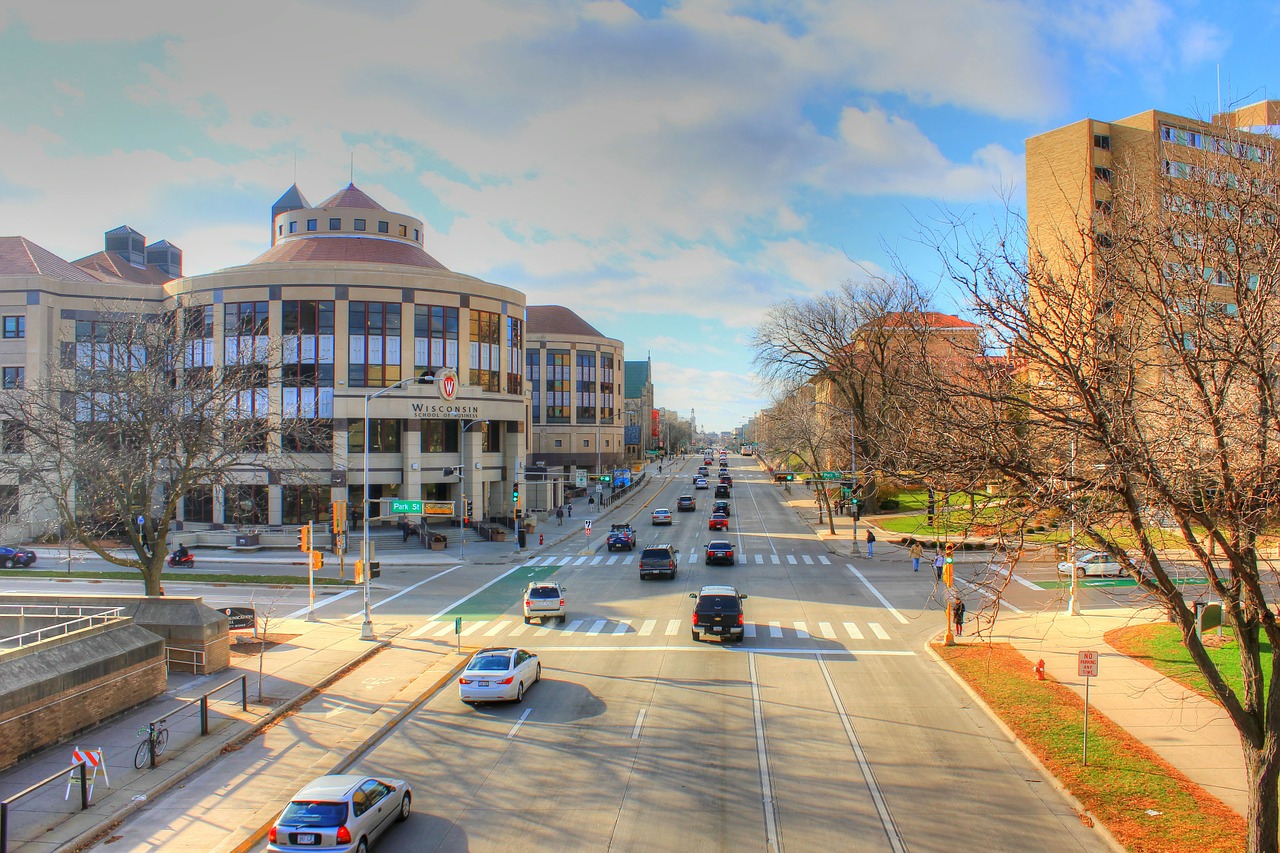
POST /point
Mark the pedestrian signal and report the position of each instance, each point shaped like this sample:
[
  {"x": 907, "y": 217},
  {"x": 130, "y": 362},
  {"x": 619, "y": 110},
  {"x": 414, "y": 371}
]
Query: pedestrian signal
[
  {"x": 317, "y": 561},
  {"x": 304, "y": 537}
]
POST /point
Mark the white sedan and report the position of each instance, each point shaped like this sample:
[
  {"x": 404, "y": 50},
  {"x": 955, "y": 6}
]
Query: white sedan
[
  {"x": 495, "y": 675},
  {"x": 1092, "y": 564}
]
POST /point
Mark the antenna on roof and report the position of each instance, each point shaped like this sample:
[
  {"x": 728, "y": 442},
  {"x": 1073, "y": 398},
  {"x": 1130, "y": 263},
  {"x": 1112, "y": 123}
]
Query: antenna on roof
[
  {"x": 353, "y": 168},
  {"x": 1219, "y": 88},
  {"x": 295, "y": 165}
]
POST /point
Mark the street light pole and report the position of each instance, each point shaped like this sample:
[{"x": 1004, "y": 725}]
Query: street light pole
[
  {"x": 462, "y": 448},
  {"x": 1073, "y": 604},
  {"x": 366, "y": 627},
  {"x": 853, "y": 453}
]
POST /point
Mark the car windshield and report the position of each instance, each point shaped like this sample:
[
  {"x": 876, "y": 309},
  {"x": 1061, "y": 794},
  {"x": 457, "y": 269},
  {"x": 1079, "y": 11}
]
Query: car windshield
[
  {"x": 719, "y": 546},
  {"x": 306, "y": 813},
  {"x": 491, "y": 663},
  {"x": 544, "y": 592},
  {"x": 655, "y": 554},
  {"x": 718, "y": 602}
]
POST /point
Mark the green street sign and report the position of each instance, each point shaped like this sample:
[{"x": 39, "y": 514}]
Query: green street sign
[
  {"x": 831, "y": 475},
  {"x": 410, "y": 507}
]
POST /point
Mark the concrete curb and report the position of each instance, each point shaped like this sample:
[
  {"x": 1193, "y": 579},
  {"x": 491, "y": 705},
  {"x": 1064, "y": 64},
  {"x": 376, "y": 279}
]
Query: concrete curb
[
  {"x": 355, "y": 754},
  {"x": 1098, "y": 825},
  {"x": 212, "y": 752}
]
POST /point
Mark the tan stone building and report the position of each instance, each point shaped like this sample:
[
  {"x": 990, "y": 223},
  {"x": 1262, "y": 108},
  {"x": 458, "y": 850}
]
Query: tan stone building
[{"x": 355, "y": 304}]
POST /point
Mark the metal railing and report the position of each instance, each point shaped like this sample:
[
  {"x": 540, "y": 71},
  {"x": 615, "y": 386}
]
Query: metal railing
[
  {"x": 172, "y": 653},
  {"x": 203, "y": 702},
  {"x": 80, "y": 768},
  {"x": 78, "y": 620}
]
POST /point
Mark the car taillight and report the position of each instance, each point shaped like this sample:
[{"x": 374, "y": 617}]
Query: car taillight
[
  {"x": 271, "y": 836},
  {"x": 528, "y": 603},
  {"x": 741, "y": 619},
  {"x": 464, "y": 680},
  {"x": 695, "y": 618},
  {"x": 506, "y": 680},
  {"x": 562, "y": 602},
  {"x": 344, "y": 835}
]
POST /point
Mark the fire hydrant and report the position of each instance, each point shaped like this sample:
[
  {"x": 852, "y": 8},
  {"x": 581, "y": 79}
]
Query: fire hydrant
[
  {"x": 539, "y": 538},
  {"x": 1040, "y": 669}
]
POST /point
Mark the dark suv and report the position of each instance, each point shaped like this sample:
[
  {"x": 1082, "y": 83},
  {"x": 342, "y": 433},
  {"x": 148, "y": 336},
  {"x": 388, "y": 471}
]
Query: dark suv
[
  {"x": 686, "y": 503},
  {"x": 717, "y": 612},
  {"x": 658, "y": 560}
]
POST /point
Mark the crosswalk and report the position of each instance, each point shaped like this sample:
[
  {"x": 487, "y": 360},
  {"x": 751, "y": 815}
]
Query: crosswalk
[
  {"x": 627, "y": 628},
  {"x": 627, "y": 558}
]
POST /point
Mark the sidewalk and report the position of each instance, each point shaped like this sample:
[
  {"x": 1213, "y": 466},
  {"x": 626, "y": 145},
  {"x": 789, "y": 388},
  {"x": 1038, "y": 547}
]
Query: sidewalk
[{"x": 328, "y": 695}]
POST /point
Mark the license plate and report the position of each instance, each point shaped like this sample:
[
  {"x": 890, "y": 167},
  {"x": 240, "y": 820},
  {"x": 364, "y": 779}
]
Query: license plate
[
  {"x": 716, "y": 630},
  {"x": 308, "y": 838},
  {"x": 484, "y": 684}
]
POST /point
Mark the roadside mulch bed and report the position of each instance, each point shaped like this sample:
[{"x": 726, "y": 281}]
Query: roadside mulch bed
[
  {"x": 1124, "y": 779},
  {"x": 247, "y": 645}
]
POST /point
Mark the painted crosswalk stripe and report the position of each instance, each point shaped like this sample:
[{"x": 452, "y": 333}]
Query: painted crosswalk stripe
[
  {"x": 595, "y": 561},
  {"x": 774, "y": 559},
  {"x": 759, "y": 559},
  {"x": 445, "y": 628},
  {"x": 672, "y": 627},
  {"x": 855, "y": 633},
  {"x": 543, "y": 631},
  {"x": 597, "y": 628},
  {"x": 802, "y": 630},
  {"x": 877, "y": 630},
  {"x": 693, "y": 556},
  {"x": 613, "y": 558},
  {"x": 520, "y": 628},
  {"x": 808, "y": 561},
  {"x": 572, "y": 626},
  {"x": 580, "y": 561},
  {"x": 827, "y": 632},
  {"x": 775, "y": 629},
  {"x": 475, "y": 626},
  {"x": 498, "y": 628},
  {"x": 624, "y": 625},
  {"x": 647, "y": 628},
  {"x": 628, "y": 560},
  {"x": 750, "y": 630},
  {"x": 823, "y": 560},
  {"x": 791, "y": 558}
]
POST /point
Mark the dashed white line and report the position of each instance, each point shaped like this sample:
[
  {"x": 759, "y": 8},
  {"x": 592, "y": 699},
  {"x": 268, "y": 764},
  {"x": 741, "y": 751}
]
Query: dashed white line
[
  {"x": 519, "y": 723},
  {"x": 901, "y": 619},
  {"x": 635, "y": 730}
]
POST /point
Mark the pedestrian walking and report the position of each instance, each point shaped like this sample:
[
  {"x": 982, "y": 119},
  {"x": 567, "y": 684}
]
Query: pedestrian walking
[
  {"x": 871, "y": 543},
  {"x": 938, "y": 563},
  {"x": 591, "y": 502},
  {"x": 957, "y": 615},
  {"x": 560, "y": 516},
  {"x": 568, "y": 509},
  {"x": 659, "y": 469},
  {"x": 916, "y": 552}
]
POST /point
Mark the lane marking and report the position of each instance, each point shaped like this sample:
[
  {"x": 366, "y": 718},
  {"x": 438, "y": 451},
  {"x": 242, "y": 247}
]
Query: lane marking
[
  {"x": 802, "y": 630},
  {"x": 749, "y": 631},
  {"x": 827, "y": 633},
  {"x": 624, "y": 625},
  {"x": 595, "y": 561},
  {"x": 302, "y": 611},
  {"x": 808, "y": 561},
  {"x": 774, "y": 559},
  {"x": 475, "y": 626},
  {"x": 692, "y": 556},
  {"x": 877, "y": 630},
  {"x": 543, "y": 631},
  {"x": 775, "y": 629},
  {"x": 580, "y": 561},
  {"x": 901, "y": 619},
  {"x": 571, "y": 627},
  {"x": 791, "y": 559},
  {"x": 635, "y": 731},
  {"x": 406, "y": 590},
  {"x": 759, "y": 559},
  {"x": 886, "y": 819},
  {"x": 520, "y": 628},
  {"x": 647, "y": 628},
  {"x": 823, "y": 560},
  {"x": 855, "y": 633},
  {"x": 498, "y": 628},
  {"x": 519, "y": 723},
  {"x": 597, "y": 628},
  {"x": 474, "y": 593},
  {"x": 1004, "y": 570},
  {"x": 672, "y": 627},
  {"x": 613, "y": 558},
  {"x": 762, "y": 757},
  {"x": 733, "y": 647},
  {"x": 988, "y": 594}
]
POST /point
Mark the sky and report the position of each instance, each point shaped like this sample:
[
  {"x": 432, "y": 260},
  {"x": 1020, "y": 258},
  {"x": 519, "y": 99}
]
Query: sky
[{"x": 667, "y": 170}]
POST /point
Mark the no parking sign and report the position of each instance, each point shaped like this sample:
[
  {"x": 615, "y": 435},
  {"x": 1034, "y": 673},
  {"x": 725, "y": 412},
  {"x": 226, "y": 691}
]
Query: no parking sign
[{"x": 587, "y": 527}]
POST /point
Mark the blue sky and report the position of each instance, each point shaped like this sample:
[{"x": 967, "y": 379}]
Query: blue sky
[{"x": 666, "y": 169}]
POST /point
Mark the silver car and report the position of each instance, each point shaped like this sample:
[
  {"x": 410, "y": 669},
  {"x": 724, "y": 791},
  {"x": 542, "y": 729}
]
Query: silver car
[
  {"x": 1092, "y": 564},
  {"x": 495, "y": 675},
  {"x": 340, "y": 814},
  {"x": 544, "y": 600}
]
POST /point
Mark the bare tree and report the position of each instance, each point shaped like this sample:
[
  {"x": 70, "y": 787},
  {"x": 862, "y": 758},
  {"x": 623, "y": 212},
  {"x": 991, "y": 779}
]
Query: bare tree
[
  {"x": 801, "y": 436},
  {"x": 1138, "y": 378},
  {"x": 134, "y": 415}
]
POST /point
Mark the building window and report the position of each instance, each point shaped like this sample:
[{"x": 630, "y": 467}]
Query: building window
[
  {"x": 280, "y": 230},
  {"x": 515, "y": 346},
  {"x": 586, "y": 442},
  {"x": 585, "y": 396},
  {"x": 559, "y": 386},
  {"x": 385, "y": 435},
  {"x": 306, "y": 376},
  {"x": 606, "y": 388},
  {"x": 374, "y": 346},
  {"x": 312, "y": 224},
  {"x": 1102, "y": 173},
  {"x": 533, "y": 370},
  {"x": 14, "y": 377},
  {"x": 1102, "y": 142},
  {"x": 8, "y": 503},
  {"x": 491, "y": 437},
  {"x": 246, "y": 505},
  {"x": 359, "y": 224},
  {"x": 335, "y": 223},
  {"x": 416, "y": 237},
  {"x": 15, "y": 327},
  {"x": 13, "y": 437},
  {"x": 404, "y": 230},
  {"x": 559, "y": 443},
  {"x": 293, "y": 227},
  {"x": 485, "y": 350},
  {"x": 384, "y": 227},
  {"x": 435, "y": 337},
  {"x": 197, "y": 504},
  {"x": 439, "y": 436},
  {"x": 300, "y": 504},
  {"x": 1102, "y": 206}
]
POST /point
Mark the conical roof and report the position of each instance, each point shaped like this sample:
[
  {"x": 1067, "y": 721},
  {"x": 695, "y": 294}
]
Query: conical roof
[{"x": 352, "y": 196}]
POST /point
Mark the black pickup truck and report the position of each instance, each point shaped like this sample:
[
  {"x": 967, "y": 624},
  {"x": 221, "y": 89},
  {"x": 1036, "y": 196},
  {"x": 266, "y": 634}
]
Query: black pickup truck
[
  {"x": 621, "y": 536},
  {"x": 718, "y": 613}
]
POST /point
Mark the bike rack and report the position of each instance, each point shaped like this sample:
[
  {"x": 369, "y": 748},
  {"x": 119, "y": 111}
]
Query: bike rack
[{"x": 203, "y": 702}]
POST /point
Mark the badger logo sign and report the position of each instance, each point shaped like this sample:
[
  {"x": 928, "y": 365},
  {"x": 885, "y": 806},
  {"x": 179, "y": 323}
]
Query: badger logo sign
[{"x": 447, "y": 382}]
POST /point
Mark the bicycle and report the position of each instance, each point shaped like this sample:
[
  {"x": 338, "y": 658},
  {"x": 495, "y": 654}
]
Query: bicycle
[{"x": 158, "y": 742}]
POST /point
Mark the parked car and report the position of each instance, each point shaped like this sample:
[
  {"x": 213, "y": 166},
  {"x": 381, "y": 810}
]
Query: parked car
[
  {"x": 344, "y": 813},
  {"x": 718, "y": 612},
  {"x": 659, "y": 560},
  {"x": 722, "y": 507},
  {"x": 718, "y": 521},
  {"x": 544, "y": 600},
  {"x": 662, "y": 516},
  {"x": 621, "y": 536},
  {"x": 686, "y": 503},
  {"x": 499, "y": 674},
  {"x": 719, "y": 551},
  {"x": 16, "y": 555},
  {"x": 1094, "y": 564}
]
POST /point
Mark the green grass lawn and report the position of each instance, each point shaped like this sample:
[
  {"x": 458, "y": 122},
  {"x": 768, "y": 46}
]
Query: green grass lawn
[
  {"x": 1160, "y": 647},
  {"x": 170, "y": 577}
]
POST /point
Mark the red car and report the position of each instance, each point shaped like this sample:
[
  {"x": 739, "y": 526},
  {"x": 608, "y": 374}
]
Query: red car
[{"x": 719, "y": 521}]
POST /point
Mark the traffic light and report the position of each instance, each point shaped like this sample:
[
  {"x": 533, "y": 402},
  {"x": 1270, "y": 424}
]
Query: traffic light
[
  {"x": 790, "y": 477},
  {"x": 468, "y": 507},
  {"x": 449, "y": 472},
  {"x": 357, "y": 575},
  {"x": 949, "y": 560},
  {"x": 317, "y": 561},
  {"x": 606, "y": 478},
  {"x": 339, "y": 511},
  {"x": 304, "y": 537},
  {"x": 515, "y": 493}
]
